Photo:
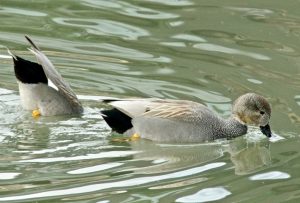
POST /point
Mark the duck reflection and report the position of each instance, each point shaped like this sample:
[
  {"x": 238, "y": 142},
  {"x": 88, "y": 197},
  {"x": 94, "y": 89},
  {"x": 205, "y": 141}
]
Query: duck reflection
[
  {"x": 248, "y": 156},
  {"x": 167, "y": 157}
]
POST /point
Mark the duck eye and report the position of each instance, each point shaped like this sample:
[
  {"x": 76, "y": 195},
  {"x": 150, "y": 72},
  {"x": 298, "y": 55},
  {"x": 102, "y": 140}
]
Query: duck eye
[{"x": 262, "y": 112}]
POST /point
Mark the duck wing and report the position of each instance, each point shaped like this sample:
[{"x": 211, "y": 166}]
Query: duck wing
[
  {"x": 132, "y": 107},
  {"x": 55, "y": 78},
  {"x": 159, "y": 108},
  {"x": 173, "y": 109},
  {"x": 166, "y": 120}
]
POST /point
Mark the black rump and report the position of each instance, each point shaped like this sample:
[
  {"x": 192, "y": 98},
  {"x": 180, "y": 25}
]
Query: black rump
[
  {"x": 29, "y": 72},
  {"x": 118, "y": 121}
]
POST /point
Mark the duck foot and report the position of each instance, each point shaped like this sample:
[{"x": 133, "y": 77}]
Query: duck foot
[{"x": 36, "y": 113}]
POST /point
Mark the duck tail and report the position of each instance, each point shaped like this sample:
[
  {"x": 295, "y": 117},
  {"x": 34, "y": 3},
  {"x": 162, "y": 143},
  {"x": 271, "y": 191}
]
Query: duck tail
[
  {"x": 117, "y": 120},
  {"x": 15, "y": 58},
  {"x": 32, "y": 43}
]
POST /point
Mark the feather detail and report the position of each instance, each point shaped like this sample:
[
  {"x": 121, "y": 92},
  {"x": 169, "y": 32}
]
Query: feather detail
[
  {"x": 54, "y": 76},
  {"x": 172, "y": 109}
]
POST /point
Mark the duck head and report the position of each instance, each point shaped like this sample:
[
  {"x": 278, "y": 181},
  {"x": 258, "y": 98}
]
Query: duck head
[{"x": 253, "y": 109}]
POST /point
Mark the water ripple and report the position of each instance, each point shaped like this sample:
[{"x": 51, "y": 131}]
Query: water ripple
[
  {"x": 128, "y": 9},
  {"x": 251, "y": 11},
  {"x": 18, "y": 11},
  {"x": 189, "y": 37},
  {"x": 174, "y": 2},
  {"x": 223, "y": 49},
  {"x": 72, "y": 146},
  {"x": 88, "y": 52},
  {"x": 96, "y": 168},
  {"x": 118, "y": 184},
  {"x": 8, "y": 176},
  {"x": 273, "y": 175},
  {"x": 104, "y": 27},
  {"x": 119, "y": 51},
  {"x": 5, "y": 56},
  {"x": 133, "y": 48},
  {"x": 206, "y": 195},
  {"x": 82, "y": 157}
]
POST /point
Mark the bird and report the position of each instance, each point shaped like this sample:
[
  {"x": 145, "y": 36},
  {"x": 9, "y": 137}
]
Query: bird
[
  {"x": 44, "y": 91},
  {"x": 182, "y": 121},
  {"x": 41, "y": 87}
]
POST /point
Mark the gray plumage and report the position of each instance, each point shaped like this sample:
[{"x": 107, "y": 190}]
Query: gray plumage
[
  {"x": 53, "y": 75},
  {"x": 54, "y": 98},
  {"x": 187, "y": 121}
]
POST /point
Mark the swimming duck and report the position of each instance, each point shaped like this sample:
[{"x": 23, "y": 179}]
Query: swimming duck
[
  {"x": 182, "y": 121},
  {"x": 42, "y": 89}
]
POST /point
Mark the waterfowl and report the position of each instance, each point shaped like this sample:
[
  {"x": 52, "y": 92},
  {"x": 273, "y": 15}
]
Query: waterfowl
[
  {"x": 181, "y": 121},
  {"x": 42, "y": 89}
]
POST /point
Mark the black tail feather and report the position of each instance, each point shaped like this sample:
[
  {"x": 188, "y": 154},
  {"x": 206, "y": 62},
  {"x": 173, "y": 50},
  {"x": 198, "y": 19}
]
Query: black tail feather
[
  {"x": 31, "y": 42},
  {"x": 29, "y": 72},
  {"x": 118, "y": 121}
]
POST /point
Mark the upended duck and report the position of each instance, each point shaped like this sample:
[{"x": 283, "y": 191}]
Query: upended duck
[
  {"x": 161, "y": 120},
  {"x": 42, "y": 89}
]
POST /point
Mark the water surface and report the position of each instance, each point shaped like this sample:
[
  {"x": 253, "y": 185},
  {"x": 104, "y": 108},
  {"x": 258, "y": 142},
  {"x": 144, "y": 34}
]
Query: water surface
[{"x": 209, "y": 52}]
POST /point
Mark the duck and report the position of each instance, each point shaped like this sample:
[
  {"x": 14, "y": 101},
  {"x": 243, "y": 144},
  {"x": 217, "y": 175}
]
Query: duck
[
  {"x": 42, "y": 89},
  {"x": 182, "y": 121}
]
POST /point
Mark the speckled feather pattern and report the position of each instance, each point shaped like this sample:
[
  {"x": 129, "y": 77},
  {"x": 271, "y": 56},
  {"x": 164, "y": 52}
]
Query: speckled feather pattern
[{"x": 182, "y": 121}]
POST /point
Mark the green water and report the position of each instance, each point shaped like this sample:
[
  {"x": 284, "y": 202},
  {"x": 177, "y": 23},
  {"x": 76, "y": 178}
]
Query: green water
[{"x": 205, "y": 51}]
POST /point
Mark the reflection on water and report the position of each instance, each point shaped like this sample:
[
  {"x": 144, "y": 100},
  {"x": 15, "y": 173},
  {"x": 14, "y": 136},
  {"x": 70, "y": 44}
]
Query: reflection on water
[
  {"x": 249, "y": 157},
  {"x": 111, "y": 154},
  {"x": 218, "y": 48},
  {"x": 166, "y": 157},
  {"x": 206, "y": 195},
  {"x": 189, "y": 37},
  {"x": 119, "y": 184},
  {"x": 209, "y": 52},
  {"x": 125, "y": 8},
  {"x": 155, "y": 162},
  {"x": 7, "y": 176},
  {"x": 95, "y": 168},
  {"x": 104, "y": 27},
  {"x": 273, "y": 175},
  {"x": 174, "y": 2},
  {"x": 5, "y": 10}
]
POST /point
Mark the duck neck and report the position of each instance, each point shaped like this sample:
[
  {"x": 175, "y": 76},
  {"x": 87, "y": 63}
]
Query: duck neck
[{"x": 232, "y": 128}]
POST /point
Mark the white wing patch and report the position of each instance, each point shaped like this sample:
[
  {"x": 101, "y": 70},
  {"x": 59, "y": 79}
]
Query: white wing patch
[
  {"x": 168, "y": 109},
  {"x": 132, "y": 108},
  {"x": 51, "y": 84}
]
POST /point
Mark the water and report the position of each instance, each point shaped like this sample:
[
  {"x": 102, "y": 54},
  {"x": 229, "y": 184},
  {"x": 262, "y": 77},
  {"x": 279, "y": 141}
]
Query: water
[{"x": 209, "y": 52}]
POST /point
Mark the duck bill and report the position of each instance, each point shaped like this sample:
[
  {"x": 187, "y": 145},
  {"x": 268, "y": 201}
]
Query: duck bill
[{"x": 266, "y": 130}]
